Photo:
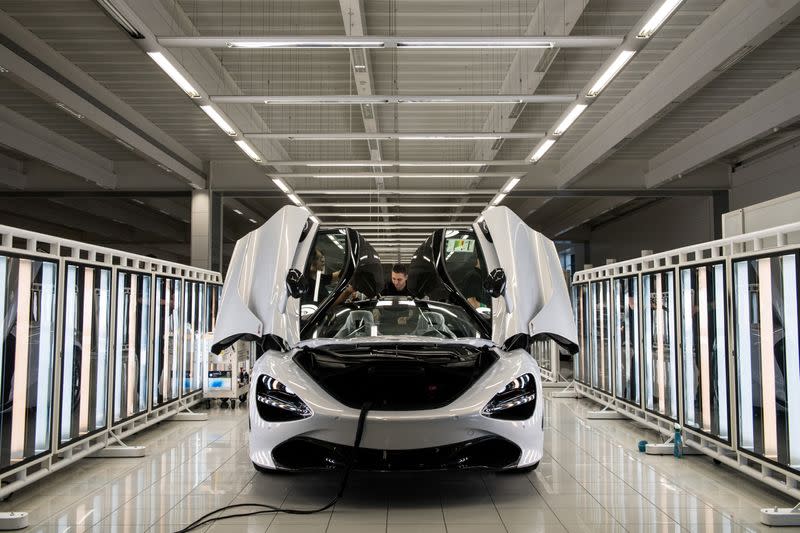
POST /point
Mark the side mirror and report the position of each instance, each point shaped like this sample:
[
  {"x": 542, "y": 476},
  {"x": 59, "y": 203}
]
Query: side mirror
[
  {"x": 495, "y": 283},
  {"x": 296, "y": 283}
]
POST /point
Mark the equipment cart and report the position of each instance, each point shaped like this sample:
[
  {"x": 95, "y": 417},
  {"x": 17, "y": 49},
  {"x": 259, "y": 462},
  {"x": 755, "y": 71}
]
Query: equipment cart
[{"x": 227, "y": 377}]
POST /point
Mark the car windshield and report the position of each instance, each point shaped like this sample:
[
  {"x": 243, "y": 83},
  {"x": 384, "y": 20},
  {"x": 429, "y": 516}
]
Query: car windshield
[{"x": 397, "y": 316}]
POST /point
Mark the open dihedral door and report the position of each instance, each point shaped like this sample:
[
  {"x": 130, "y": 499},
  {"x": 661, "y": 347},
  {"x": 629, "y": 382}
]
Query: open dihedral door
[
  {"x": 255, "y": 300},
  {"x": 536, "y": 300}
]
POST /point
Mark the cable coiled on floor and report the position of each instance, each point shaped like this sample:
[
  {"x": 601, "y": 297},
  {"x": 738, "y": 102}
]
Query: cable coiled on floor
[{"x": 266, "y": 509}]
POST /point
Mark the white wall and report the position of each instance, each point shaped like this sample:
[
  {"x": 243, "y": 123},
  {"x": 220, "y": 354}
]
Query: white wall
[
  {"x": 668, "y": 224},
  {"x": 767, "y": 178}
]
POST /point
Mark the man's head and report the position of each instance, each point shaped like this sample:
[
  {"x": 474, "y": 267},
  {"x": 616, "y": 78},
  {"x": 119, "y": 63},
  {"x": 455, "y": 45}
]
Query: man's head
[
  {"x": 318, "y": 264},
  {"x": 399, "y": 276}
]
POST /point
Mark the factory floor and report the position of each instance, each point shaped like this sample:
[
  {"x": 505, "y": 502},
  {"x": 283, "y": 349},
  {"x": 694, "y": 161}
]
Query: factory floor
[{"x": 592, "y": 479}]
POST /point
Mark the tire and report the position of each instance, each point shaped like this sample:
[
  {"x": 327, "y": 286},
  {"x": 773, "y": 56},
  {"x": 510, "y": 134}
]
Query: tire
[{"x": 233, "y": 404}]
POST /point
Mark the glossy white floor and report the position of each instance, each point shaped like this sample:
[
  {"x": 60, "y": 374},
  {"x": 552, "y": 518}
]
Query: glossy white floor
[{"x": 591, "y": 479}]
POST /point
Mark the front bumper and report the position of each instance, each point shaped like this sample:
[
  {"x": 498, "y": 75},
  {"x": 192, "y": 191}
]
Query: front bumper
[{"x": 453, "y": 429}]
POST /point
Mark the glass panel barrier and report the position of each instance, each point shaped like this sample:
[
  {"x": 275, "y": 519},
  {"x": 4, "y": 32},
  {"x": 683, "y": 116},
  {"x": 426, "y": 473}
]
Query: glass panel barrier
[
  {"x": 167, "y": 334},
  {"x": 767, "y": 359},
  {"x": 213, "y": 294},
  {"x": 580, "y": 297},
  {"x": 627, "y": 359},
  {"x": 660, "y": 361},
  {"x": 27, "y": 346},
  {"x": 704, "y": 343},
  {"x": 85, "y": 359},
  {"x": 600, "y": 337},
  {"x": 131, "y": 344},
  {"x": 194, "y": 330},
  {"x": 541, "y": 351}
]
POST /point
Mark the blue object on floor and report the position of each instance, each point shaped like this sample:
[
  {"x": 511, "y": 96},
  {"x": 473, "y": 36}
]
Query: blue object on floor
[{"x": 642, "y": 445}]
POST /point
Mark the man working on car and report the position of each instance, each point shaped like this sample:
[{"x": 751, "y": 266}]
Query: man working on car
[{"x": 398, "y": 284}]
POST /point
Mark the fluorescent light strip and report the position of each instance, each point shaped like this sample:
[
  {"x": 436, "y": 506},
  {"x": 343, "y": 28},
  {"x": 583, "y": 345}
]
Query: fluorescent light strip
[
  {"x": 238, "y": 212},
  {"x": 612, "y": 70},
  {"x": 254, "y": 221},
  {"x": 393, "y": 164},
  {"x": 173, "y": 73},
  {"x": 571, "y": 117},
  {"x": 281, "y": 185},
  {"x": 294, "y": 198},
  {"x": 69, "y": 110},
  {"x": 246, "y": 148},
  {"x": 543, "y": 148},
  {"x": 510, "y": 185},
  {"x": 403, "y": 175},
  {"x": 218, "y": 120},
  {"x": 658, "y": 18},
  {"x": 499, "y": 198},
  {"x": 307, "y": 43}
]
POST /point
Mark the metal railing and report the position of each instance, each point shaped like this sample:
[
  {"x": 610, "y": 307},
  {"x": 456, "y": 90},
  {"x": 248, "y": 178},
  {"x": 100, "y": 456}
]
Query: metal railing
[
  {"x": 96, "y": 344},
  {"x": 705, "y": 336}
]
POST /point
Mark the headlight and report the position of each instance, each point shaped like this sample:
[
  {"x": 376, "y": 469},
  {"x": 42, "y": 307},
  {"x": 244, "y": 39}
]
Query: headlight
[
  {"x": 276, "y": 403},
  {"x": 515, "y": 402}
]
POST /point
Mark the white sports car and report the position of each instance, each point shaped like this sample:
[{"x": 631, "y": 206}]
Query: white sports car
[{"x": 443, "y": 367}]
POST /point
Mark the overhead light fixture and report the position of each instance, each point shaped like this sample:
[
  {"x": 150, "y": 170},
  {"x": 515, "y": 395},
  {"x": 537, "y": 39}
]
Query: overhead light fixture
[
  {"x": 294, "y": 198},
  {"x": 173, "y": 73},
  {"x": 378, "y": 99},
  {"x": 309, "y": 42},
  {"x": 543, "y": 148},
  {"x": 571, "y": 117},
  {"x": 658, "y": 18},
  {"x": 238, "y": 212},
  {"x": 254, "y": 221},
  {"x": 281, "y": 185},
  {"x": 136, "y": 200},
  {"x": 69, "y": 110},
  {"x": 499, "y": 198},
  {"x": 246, "y": 148},
  {"x": 612, "y": 70},
  {"x": 3, "y": 70},
  {"x": 474, "y": 42},
  {"x": 516, "y": 111},
  {"x": 218, "y": 120},
  {"x": 510, "y": 185},
  {"x": 120, "y": 19},
  {"x": 359, "y": 56},
  {"x": 463, "y": 175},
  {"x": 165, "y": 168}
]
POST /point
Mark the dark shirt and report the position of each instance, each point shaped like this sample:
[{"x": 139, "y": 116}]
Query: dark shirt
[{"x": 391, "y": 290}]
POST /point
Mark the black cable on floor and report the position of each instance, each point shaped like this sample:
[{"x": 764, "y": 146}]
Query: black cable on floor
[{"x": 265, "y": 509}]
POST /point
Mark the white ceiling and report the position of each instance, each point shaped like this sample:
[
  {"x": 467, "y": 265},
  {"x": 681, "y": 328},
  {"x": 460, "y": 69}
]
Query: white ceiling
[{"x": 88, "y": 40}]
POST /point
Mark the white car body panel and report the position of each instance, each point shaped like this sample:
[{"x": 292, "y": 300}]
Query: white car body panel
[
  {"x": 255, "y": 303},
  {"x": 457, "y": 422},
  {"x": 536, "y": 299},
  {"x": 255, "y": 299}
]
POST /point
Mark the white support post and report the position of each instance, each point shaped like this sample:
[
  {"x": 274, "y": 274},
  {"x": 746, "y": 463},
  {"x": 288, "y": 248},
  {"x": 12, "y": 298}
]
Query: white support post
[
  {"x": 606, "y": 413},
  {"x": 189, "y": 416},
  {"x": 781, "y": 516},
  {"x": 13, "y": 520},
  {"x": 120, "y": 450},
  {"x": 567, "y": 392}
]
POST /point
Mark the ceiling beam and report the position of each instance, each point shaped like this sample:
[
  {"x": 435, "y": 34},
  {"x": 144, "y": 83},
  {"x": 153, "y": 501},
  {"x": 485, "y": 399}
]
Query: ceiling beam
[
  {"x": 410, "y": 163},
  {"x": 391, "y": 136},
  {"x": 772, "y": 108},
  {"x": 371, "y": 99},
  {"x": 31, "y": 138},
  {"x": 443, "y": 174},
  {"x": 12, "y": 171},
  {"x": 734, "y": 25},
  {"x": 34, "y": 64},
  {"x": 238, "y": 42}
]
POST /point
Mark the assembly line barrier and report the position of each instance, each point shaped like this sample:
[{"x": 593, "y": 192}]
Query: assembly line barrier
[
  {"x": 96, "y": 345},
  {"x": 705, "y": 336}
]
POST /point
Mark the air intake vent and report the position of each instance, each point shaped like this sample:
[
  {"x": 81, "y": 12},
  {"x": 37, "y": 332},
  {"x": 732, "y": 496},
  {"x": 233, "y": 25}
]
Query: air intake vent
[
  {"x": 547, "y": 59},
  {"x": 516, "y": 111},
  {"x": 359, "y": 56},
  {"x": 497, "y": 144},
  {"x": 733, "y": 59}
]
